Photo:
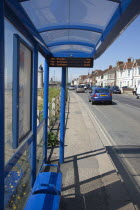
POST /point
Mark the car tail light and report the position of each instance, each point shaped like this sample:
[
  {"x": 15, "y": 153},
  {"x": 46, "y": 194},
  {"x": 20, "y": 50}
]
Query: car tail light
[
  {"x": 110, "y": 94},
  {"x": 95, "y": 95}
]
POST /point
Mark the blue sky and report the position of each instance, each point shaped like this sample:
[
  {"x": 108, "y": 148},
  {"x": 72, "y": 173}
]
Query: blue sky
[{"x": 125, "y": 46}]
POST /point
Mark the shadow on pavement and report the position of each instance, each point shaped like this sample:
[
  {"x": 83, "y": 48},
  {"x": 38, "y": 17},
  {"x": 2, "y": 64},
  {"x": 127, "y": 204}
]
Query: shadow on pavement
[
  {"x": 119, "y": 155},
  {"x": 82, "y": 193}
]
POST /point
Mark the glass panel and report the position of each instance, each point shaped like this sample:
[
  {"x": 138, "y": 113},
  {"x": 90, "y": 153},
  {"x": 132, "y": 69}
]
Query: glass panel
[
  {"x": 91, "y": 13},
  {"x": 18, "y": 183},
  {"x": 40, "y": 98},
  {"x": 24, "y": 91},
  {"x": 40, "y": 144},
  {"x": 68, "y": 48},
  {"x": 10, "y": 30},
  {"x": 70, "y": 35}
]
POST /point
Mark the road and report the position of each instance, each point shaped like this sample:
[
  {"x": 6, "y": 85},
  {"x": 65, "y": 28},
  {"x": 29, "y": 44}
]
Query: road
[{"x": 120, "y": 123}]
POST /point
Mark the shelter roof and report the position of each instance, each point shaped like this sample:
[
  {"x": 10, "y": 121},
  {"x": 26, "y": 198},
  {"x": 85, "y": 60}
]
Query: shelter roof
[{"x": 78, "y": 28}]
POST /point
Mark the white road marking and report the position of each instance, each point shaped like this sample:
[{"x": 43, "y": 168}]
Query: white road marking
[
  {"x": 133, "y": 106},
  {"x": 115, "y": 101},
  {"x": 127, "y": 105}
]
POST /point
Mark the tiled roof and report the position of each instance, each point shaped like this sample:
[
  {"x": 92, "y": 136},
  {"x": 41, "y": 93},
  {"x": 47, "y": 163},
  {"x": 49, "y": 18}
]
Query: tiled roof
[
  {"x": 82, "y": 77},
  {"x": 111, "y": 71},
  {"x": 128, "y": 65},
  {"x": 121, "y": 66},
  {"x": 106, "y": 71},
  {"x": 137, "y": 62}
]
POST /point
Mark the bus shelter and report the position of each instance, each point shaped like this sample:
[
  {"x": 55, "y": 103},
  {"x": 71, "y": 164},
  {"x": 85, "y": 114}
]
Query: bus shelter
[{"x": 67, "y": 33}]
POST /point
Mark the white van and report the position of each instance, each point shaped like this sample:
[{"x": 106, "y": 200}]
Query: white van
[{"x": 138, "y": 91}]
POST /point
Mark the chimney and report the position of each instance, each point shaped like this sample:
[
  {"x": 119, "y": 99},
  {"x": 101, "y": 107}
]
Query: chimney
[
  {"x": 119, "y": 63},
  {"x": 110, "y": 67},
  {"x": 129, "y": 60}
]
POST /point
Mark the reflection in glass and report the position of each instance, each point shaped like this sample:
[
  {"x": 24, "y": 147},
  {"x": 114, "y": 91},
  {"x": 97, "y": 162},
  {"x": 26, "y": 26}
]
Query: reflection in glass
[{"x": 24, "y": 91}]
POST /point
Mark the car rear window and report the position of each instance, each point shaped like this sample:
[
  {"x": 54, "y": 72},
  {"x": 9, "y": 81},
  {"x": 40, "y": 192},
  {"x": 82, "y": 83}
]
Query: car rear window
[
  {"x": 80, "y": 86},
  {"x": 102, "y": 91}
]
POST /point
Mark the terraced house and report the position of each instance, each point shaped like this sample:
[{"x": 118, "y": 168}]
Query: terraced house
[
  {"x": 124, "y": 76},
  {"x": 119, "y": 72},
  {"x": 136, "y": 72}
]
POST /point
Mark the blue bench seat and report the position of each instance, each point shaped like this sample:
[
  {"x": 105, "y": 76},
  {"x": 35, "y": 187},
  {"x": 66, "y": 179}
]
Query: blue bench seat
[
  {"x": 45, "y": 194},
  {"x": 49, "y": 182}
]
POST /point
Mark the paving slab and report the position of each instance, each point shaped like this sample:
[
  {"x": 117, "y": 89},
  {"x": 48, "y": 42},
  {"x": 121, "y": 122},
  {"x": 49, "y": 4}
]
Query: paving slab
[{"x": 90, "y": 180}]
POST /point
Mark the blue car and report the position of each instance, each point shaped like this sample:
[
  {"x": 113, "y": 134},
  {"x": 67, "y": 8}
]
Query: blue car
[{"x": 100, "y": 95}]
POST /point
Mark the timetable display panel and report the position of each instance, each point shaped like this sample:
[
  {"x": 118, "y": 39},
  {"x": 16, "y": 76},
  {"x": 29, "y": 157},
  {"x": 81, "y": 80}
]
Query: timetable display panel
[{"x": 71, "y": 62}]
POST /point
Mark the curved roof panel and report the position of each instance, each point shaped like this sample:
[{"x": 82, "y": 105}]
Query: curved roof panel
[
  {"x": 92, "y": 13},
  {"x": 86, "y": 26},
  {"x": 71, "y": 35}
]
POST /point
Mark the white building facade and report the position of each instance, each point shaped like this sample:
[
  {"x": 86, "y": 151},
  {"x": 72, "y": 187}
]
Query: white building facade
[
  {"x": 136, "y": 73},
  {"x": 124, "y": 74}
]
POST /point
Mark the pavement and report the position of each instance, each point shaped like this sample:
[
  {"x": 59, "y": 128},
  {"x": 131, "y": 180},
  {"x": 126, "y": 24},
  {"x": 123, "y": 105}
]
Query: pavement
[{"x": 90, "y": 180}]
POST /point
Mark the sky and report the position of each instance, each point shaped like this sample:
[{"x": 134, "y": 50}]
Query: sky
[{"x": 125, "y": 46}]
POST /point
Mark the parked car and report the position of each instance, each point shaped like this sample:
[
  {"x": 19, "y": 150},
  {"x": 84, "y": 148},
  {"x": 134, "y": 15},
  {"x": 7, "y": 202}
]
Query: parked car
[
  {"x": 107, "y": 86},
  {"x": 71, "y": 87},
  {"x": 100, "y": 95},
  {"x": 115, "y": 90},
  {"x": 80, "y": 89},
  {"x": 87, "y": 86},
  {"x": 93, "y": 87}
]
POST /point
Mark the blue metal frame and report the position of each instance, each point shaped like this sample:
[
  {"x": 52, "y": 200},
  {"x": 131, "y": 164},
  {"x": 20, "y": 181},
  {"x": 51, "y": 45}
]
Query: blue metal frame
[
  {"x": 46, "y": 99},
  {"x": 34, "y": 111},
  {"x": 71, "y": 43},
  {"x": 72, "y": 54},
  {"x": 77, "y": 27},
  {"x": 15, "y": 114},
  {"x": 121, "y": 18},
  {"x": 23, "y": 0},
  {"x": 112, "y": 22},
  {"x": 62, "y": 114},
  {"x": 2, "y": 105},
  {"x": 117, "y": 1},
  {"x": 15, "y": 105}
]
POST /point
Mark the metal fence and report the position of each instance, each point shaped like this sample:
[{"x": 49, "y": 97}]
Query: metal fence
[{"x": 53, "y": 112}]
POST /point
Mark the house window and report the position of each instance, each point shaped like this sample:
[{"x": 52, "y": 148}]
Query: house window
[
  {"x": 135, "y": 71},
  {"x": 128, "y": 73},
  {"x": 139, "y": 70}
]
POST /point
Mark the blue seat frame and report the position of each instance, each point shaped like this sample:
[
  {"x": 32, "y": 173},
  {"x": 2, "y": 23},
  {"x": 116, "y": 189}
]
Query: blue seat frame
[{"x": 46, "y": 192}]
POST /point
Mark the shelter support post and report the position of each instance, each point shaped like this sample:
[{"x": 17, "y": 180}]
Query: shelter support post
[
  {"x": 2, "y": 136},
  {"x": 62, "y": 114},
  {"x": 46, "y": 100},
  {"x": 34, "y": 111},
  {"x": 66, "y": 83}
]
